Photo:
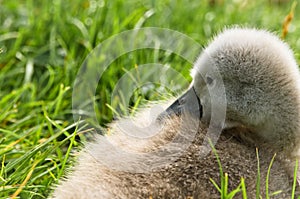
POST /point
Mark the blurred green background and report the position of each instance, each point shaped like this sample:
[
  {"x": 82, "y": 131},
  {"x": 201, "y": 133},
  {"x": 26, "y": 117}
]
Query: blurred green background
[{"x": 44, "y": 43}]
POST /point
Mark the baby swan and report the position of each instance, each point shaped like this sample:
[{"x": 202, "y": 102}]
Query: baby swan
[
  {"x": 262, "y": 83},
  {"x": 262, "y": 103}
]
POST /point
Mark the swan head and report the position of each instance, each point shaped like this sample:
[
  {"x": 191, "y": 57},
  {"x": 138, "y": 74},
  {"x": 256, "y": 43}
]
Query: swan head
[{"x": 254, "y": 75}]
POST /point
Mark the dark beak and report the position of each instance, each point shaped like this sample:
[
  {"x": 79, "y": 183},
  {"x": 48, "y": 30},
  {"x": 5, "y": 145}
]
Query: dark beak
[{"x": 189, "y": 103}]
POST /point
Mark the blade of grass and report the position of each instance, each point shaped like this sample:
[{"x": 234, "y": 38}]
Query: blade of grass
[
  {"x": 59, "y": 100},
  {"x": 72, "y": 140},
  {"x": 243, "y": 186},
  {"x": 268, "y": 176},
  {"x": 287, "y": 20},
  {"x": 2, "y": 171},
  {"x": 295, "y": 178},
  {"x": 225, "y": 187},
  {"x": 220, "y": 169},
  {"x": 258, "y": 176},
  {"x": 215, "y": 184},
  {"x": 25, "y": 181}
]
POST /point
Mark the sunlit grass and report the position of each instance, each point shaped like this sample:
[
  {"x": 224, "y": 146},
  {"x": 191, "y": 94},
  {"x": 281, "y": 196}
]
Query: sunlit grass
[{"x": 42, "y": 46}]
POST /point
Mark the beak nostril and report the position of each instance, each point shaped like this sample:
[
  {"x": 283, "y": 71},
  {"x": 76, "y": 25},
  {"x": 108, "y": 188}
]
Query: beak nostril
[
  {"x": 189, "y": 103},
  {"x": 181, "y": 101}
]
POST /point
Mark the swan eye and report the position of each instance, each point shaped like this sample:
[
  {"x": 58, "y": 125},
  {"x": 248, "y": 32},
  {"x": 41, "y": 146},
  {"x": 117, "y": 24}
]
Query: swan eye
[{"x": 209, "y": 80}]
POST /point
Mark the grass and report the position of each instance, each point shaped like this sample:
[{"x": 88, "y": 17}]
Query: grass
[{"x": 44, "y": 43}]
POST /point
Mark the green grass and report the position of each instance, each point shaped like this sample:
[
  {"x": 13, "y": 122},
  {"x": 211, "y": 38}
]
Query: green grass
[{"x": 42, "y": 46}]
